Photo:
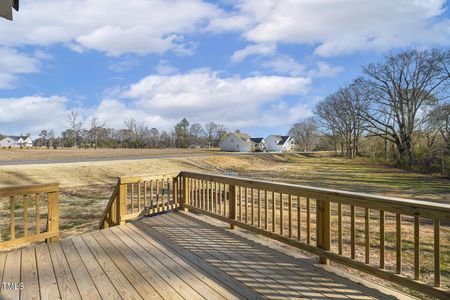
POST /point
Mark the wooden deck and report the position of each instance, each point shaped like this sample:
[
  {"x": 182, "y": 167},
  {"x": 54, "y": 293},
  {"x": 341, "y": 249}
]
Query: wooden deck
[{"x": 169, "y": 256}]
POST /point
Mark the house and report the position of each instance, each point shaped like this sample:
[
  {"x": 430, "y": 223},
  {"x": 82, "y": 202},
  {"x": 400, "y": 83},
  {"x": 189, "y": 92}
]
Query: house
[
  {"x": 16, "y": 141},
  {"x": 242, "y": 142},
  {"x": 258, "y": 144},
  {"x": 279, "y": 143},
  {"x": 236, "y": 142}
]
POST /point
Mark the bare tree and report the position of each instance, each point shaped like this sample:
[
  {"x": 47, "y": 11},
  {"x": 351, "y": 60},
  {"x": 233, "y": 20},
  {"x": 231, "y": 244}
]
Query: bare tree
[
  {"x": 95, "y": 131},
  {"x": 339, "y": 114},
  {"x": 305, "y": 133},
  {"x": 74, "y": 130},
  {"x": 214, "y": 133},
  {"x": 397, "y": 92}
]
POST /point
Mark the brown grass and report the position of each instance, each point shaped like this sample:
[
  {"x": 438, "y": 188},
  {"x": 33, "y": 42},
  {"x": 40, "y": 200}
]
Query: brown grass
[{"x": 73, "y": 153}]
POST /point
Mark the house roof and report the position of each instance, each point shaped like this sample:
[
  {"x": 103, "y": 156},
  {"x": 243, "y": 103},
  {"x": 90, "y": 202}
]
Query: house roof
[
  {"x": 17, "y": 137},
  {"x": 281, "y": 139},
  {"x": 242, "y": 136},
  {"x": 256, "y": 140}
]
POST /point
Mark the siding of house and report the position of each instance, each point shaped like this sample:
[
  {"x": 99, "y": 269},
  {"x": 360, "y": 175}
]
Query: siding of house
[
  {"x": 272, "y": 144},
  {"x": 234, "y": 143}
]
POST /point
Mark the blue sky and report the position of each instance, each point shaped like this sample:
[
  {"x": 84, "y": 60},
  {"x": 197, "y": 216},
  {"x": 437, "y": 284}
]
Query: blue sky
[{"x": 256, "y": 65}]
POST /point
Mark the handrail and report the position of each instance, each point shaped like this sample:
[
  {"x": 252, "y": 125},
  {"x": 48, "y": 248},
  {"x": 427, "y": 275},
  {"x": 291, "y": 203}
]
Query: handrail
[
  {"x": 286, "y": 212},
  {"x": 141, "y": 195},
  {"x": 22, "y": 200},
  {"x": 410, "y": 206},
  {"x": 28, "y": 189},
  {"x": 109, "y": 205}
]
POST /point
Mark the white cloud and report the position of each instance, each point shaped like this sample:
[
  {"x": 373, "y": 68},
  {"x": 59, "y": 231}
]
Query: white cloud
[
  {"x": 258, "y": 49},
  {"x": 162, "y": 100},
  {"x": 164, "y": 68},
  {"x": 13, "y": 63},
  {"x": 284, "y": 64},
  {"x": 202, "y": 95},
  {"x": 123, "y": 65},
  {"x": 111, "y": 26},
  {"x": 32, "y": 114},
  {"x": 346, "y": 26},
  {"x": 325, "y": 70}
]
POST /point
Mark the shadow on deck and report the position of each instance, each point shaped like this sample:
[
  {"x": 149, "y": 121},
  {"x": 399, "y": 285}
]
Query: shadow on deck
[{"x": 169, "y": 256}]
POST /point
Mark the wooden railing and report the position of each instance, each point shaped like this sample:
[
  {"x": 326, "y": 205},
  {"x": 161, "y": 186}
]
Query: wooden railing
[
  {"x": 398, "y": 240},
  {"x": 136, "y": 196},
  {"x": 25, "y": 208},
  {"x": 387, "y": 237}
]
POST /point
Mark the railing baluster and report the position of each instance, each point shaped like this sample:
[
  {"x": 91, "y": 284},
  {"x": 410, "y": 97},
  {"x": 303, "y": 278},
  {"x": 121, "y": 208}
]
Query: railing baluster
[
  {"x": 398, "y": 225},
  {"x": 12, "y": 205},
  {"x": 299, "y": 231},
  {"x": 207, "y": 196},
  {"x": 37, "y": 216},
  {"x": 25, "y": 215},
  {"x": 157, "y": 194},
  {"x": 308, "y": 221},
  {"x": 259, "y": 208},
  {"x": 274, "y": 211},
  {"x": 281, "y": 214},
  {"x": 232, "y": 208},
  {"x": 151, "y": 194},
  {"x": 352, "y": 231},
  {"x": 290, "y": 215},
  {"x": 216, "y": 197},
  {"x": 340, "y": 229},
  {"x": 246, "y": 204},
  {"x": 145, "y": 194},
  {"x": 437, "y": 254},
  {"x": 382, "y": 239},
  {"x": 139, "y": 196},
  {"x": 266, "y": 210},
  {"x": 225, "y": 198},
  {"x": 416, "y": 249},
  {"x": 132, "y": 197},
  {"x": 239, "y": 195},
  {"x": 220, "y": 199},
  {"x": 367, "y": 235},
  {"x": 252, "y": 195}
]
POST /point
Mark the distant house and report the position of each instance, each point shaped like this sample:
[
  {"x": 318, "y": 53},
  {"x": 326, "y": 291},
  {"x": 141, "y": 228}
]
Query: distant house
[
  {"x": 236, "y": 142},
  {"x": 258, "y": 144},
  {"x": 279, "y": 143},
  {"x": 242, "y": 142},
  {"x": 16, "y": 141}
]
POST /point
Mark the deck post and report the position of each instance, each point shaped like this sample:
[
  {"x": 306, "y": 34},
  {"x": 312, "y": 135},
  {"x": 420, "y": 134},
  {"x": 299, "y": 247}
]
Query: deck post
[
  {"x": 186, "y": 194},
  {"x": 323, "y": 228},
  {"x": 121, "y": 207},
  {"x": 53, "y": 215},
  {"x": 232, "y": 209}
]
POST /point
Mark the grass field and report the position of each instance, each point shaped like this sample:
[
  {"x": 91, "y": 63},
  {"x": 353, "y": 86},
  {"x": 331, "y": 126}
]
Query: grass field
[
  {"x": 86, "y": 187},
  {"x": 72, "y": 153}
]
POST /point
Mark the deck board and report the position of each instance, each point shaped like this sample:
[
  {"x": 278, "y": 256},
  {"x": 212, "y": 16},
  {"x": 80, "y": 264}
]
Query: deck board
[{"x": 169, "y": 256}]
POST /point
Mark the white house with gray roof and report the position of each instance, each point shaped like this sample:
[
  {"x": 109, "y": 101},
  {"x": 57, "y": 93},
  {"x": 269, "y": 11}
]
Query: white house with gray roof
[
  {"x": 14, "y": 141},
  {"x": 241, "y": 142},
  {"x": 279, "y": 143}
]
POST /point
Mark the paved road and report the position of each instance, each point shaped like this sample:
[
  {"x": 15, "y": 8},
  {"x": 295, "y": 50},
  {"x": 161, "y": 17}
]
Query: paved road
[{"x": 97, "y": 159}]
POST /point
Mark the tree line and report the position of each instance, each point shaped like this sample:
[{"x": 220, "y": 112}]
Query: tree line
[
  {"x": 133, "y": 134},
  {"x": 397, "y": 110}
]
